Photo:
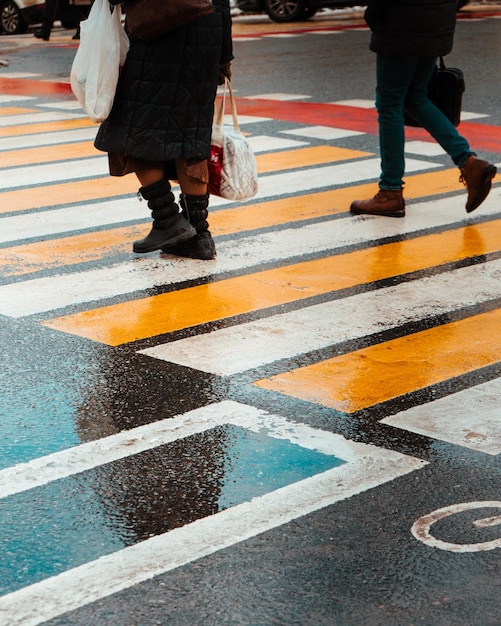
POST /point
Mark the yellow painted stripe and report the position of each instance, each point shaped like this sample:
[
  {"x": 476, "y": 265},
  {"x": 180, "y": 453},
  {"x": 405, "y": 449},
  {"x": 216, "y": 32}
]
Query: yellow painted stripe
[
  {"x": 78, "y": 191},
  {"x": 54, "y": 253},
  {"x": 16, "y": 111},
  {"x": 315, "y": 205},
  {"x": 379, "y": 373},
  {"x": 266, "y": 162},
  {"x": 48, "y": 154},
  {"x": 67, "y": 251},
  {"x": 46, "y": 127},
  {"x": 258, "y": 215},
  {"x": 302, "y": 157},
  {"x": 66, "y": 193},
  {"x": 146, "y": 317}
]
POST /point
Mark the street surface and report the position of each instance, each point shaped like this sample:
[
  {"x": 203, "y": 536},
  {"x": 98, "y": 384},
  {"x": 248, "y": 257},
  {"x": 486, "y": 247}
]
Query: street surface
[{"x": 305, "y": 431}]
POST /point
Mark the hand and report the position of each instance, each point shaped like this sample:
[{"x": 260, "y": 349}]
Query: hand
[{"x": 224, "y": 72}]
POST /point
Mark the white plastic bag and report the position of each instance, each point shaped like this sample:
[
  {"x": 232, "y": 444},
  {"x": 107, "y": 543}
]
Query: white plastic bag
[
  {"x": 232, "y": 164},
  {"x": 102, "y": 50}
]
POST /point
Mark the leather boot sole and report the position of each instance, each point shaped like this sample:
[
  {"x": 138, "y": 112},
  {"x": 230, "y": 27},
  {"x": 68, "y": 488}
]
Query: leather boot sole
[
  {"x": 158, "y": 238},
  {"x": 358, "y": 211}
]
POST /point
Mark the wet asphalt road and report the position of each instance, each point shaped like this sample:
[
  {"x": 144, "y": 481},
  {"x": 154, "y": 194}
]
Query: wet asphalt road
[{"x": 201, "y": 486}]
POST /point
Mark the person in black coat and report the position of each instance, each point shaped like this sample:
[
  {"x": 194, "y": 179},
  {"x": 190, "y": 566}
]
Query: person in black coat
[
  {"x": 160, "y": 127},
  {"x": 408, "y": 36}
]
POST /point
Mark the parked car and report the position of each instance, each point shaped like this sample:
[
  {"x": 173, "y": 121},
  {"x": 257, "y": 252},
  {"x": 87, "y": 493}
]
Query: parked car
[
  {"x": 292, "y": 10},
  {"x": 298, "y": 10},
  {"x": 17, "y": 15}
]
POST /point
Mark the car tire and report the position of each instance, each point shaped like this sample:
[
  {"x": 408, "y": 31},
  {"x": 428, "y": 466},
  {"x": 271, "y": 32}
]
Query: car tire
[
  {"x": 286, "y": 10},
  {"x": 11, "y": 20}
]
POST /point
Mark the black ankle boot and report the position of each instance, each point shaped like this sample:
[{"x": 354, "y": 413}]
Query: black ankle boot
[
  {"x": 169, "y": 226},
  {"x": 202, "y": 245}
]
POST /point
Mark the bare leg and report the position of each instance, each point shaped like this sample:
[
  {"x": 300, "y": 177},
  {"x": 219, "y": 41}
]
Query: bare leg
[{"x": 148, "y": 177}]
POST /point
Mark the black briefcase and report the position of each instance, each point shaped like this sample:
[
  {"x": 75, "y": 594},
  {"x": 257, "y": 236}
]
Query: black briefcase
[{"x": 445, "y": 90}]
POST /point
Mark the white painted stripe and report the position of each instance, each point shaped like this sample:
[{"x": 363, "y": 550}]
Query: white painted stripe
[
  {"x": 32, "y": 225},
  {"x": 47, "y": 139},
  {"x": 259, "y": 143},
  {"x": 278, "y": 96},
  {"x": 46, "y": 469},
  {"x": 52, "y": 292},
  {"x": 63, "y": 104},
  {"x": 263, "y": 143},
  {"x": 43, "y": 223},
  {"x": 470, "y": 418},
  {"x": 36, "y": 118},
  {"x": 53, "y": 173},
  {"x": 330, "y": 175},
  {"x": 282, "y": 36},
  {"x": 322, "y": 132},
  {"x": 367, "y": 467},
  {"x": 424, "y": 148},
  {"x": 467, "y": 115},
  {"x": 244, "y": 119},
  {"x": 6, "y": 99},
  {"x": 359, "y": 103},
  {"x": 269, "y": 186},
  {"x": 20, "y": 75},
  {"x": 254, "y": 344}
]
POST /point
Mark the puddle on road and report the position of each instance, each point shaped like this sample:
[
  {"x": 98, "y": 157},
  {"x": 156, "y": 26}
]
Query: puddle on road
[{"x": 72, "y": 521}]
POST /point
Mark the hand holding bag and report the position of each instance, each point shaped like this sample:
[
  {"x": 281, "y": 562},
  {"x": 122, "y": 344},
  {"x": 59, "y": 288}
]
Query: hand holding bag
[
  {"x": 102, "y": 50},
  {"x": 147, "y": 19},
  {"x": 232, "y": 164}
]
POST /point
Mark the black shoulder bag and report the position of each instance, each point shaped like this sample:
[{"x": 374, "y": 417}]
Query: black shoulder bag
[{"x": 445, "y": 90}]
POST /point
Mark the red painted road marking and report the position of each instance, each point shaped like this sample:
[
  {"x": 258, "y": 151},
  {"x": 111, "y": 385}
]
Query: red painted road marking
[{"x": 483, "y": 137}]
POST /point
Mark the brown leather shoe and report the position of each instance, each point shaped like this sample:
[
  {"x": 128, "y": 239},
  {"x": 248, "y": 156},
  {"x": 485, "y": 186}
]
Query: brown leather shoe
[
  {"x": 385, "y": 202},
  {"x": 477, "y": 176}
]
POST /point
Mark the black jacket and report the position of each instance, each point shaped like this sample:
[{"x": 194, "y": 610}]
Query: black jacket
[
  {"x": 411, "y": 27},
  {"x": 164, "y": 102}
]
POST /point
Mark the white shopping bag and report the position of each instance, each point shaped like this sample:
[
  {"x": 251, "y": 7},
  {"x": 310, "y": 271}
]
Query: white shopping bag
[
  {"x": 232, "y": 164},
  {"x": 102, "y": 50}
]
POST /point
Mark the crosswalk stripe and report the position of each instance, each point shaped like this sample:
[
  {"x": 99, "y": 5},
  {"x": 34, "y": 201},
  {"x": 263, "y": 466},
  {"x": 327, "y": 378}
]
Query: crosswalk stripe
[
  {"x": 4, "y": 111},
  {"x": 24, "y": 259},
  {"x": 270, "y": 186},
  {"x": 313, "y": 155},
  {"x": 266, "y": 162},
  {"x": 469, "y": 418},
  {"x": 381, "y": 372},
  {"x": 66, "y": 193},
  {"x": 46, "y": 139},
  {"x": 225, "y": 352},
  {"x": 44, "y": 223},
  {"x": 30, "y": 118},
  {"x": 34, "y": 128},
  {"x": 33, "y": 175},
  {"x": 40, "y": 295},
  {"x": 238, "y": 218},
  {"x": 68, "y": 251},
  {"x": 137, "y": 319},
  {"x": 46, "y": 154}
]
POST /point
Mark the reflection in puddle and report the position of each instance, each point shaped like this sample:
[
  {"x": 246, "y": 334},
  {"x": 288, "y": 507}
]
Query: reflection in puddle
[{"x": 78, "y": 519}]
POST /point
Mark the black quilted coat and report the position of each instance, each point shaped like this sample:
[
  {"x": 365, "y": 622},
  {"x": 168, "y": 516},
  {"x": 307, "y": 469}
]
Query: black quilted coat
[
  {"x": 411, "y": 27},
  {"x": 164, "y": 102}
]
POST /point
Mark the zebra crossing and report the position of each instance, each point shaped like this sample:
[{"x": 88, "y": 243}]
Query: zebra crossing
[{"x": 395, "y": 321}]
